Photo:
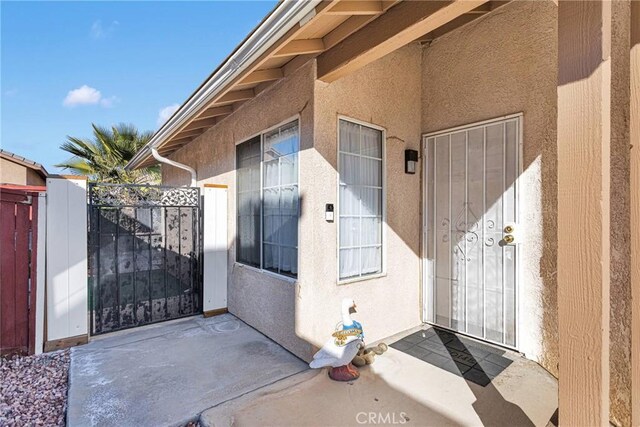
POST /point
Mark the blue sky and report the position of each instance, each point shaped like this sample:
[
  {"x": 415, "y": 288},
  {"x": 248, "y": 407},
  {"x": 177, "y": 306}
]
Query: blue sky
[{"x": 68, "y": 64}]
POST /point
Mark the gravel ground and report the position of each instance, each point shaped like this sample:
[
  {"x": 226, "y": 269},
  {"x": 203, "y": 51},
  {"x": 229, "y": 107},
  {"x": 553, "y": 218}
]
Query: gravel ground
[{"x": 33, "y": 390}]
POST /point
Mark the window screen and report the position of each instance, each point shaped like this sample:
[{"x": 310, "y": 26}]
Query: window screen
[
  {"x": 361, "y": 200},
  {"x": 280, "y": 198}
]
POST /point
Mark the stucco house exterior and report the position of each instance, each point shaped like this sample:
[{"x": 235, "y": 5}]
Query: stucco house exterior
[
  {"x": 17, "y": 170},
  {"x": 430, "y": 160}
]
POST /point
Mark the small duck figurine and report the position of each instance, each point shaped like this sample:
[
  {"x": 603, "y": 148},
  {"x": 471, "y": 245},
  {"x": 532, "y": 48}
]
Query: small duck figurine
[{"x": 340, "y": 350}]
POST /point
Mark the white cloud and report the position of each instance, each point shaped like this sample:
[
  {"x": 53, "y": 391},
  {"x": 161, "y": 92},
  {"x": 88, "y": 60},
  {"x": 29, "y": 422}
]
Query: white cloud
[
  {"x": 166, "y": 112},
  {"x": 86, "y": 95},
  {"x": 98, "y": 32},
  {"x": 108, "y": 102}
]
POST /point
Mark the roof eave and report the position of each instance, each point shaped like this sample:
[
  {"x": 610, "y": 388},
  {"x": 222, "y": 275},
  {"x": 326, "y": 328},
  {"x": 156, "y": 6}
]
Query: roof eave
[
  {"x": 23, "y": 161},
  {"x": 287, "y": 14}
]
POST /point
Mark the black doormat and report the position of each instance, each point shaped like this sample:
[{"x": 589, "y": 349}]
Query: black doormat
[{"x": 471, "y": 360}]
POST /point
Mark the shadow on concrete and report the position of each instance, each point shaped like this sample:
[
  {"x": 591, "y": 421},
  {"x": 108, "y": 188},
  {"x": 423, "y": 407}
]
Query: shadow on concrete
[
  {"x": 166, "y": 374},
  {"x": 479, "y": 364},
  {"x": 396, "y": 389},
  {"x": 490, "y": 405}
]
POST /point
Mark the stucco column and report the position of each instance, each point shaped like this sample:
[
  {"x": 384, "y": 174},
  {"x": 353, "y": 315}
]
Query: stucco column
[
  {"x": 584, "y": 143},
  {"x": 635, "y": 209}
]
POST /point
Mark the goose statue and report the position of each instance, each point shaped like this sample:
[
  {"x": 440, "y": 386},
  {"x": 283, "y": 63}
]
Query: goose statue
[{"x": 343, "y": 346}]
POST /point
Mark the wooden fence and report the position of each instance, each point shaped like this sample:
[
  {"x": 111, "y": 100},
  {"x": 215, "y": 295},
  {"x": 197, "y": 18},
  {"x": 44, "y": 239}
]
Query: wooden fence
[{"x": 18, "y": 255}]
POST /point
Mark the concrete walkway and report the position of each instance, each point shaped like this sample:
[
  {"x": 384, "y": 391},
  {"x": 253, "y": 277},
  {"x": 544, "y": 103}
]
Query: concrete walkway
[
  {"x": 166, "y": 374},
  {"x": 398, "y": 389}
]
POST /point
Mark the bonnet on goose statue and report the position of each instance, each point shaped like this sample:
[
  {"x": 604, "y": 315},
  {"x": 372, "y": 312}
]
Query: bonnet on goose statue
[{"x": 339, "y": 351}]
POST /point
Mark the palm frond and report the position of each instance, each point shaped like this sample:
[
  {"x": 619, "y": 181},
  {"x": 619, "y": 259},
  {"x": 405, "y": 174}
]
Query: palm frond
[
  {"x": 79, "y": 147},
  {"x": 77, "y": 167},
  {"x": 104, "y": 156}
]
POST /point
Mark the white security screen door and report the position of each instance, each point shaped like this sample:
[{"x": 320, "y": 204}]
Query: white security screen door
[{"x": 471, "y": 229}]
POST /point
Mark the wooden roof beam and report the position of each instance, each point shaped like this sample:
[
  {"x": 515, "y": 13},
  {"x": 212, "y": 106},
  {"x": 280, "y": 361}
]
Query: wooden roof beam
[
  {"x": 187, "y": 134},
  {"x": 357, "y": 7},
  {"x": 301, "y": 47},
  {"x": 320, "y": 11},
  {"x": 488, "y": 7},
  {"x": 494, "y": 4},
  {"x": 351, "y": 25},
  {"x": 463, "y": 20},
  {"x": 168, "y": 151},
  {"x": 201, "y": 124},
  {"x": 450, "y": 26},
  {"x": 344, "y": 30},
  {"x": 177, "y": 142},
  {"x": 236, "y": 95},
  {"x": 482, "y": 9},
  {"x": 216, "y": 112},
  {"x": 401, "y": 25},
  {"x": 260, "y": 76}
]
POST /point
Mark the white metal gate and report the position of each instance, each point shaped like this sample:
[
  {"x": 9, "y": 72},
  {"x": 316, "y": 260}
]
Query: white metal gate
[{"x": 470, "y": 228}]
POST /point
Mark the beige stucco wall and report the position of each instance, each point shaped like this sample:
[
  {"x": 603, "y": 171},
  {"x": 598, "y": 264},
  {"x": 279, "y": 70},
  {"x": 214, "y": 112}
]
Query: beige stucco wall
[
  {"x": 12, "y": 173},
  {"x": 300, "y": 315},
  {"x": 478, "y": 72},
  {"x": 263, "y": 300},
  {"x": 15, "y": 173},
  {"x": 386, "y": 93},
  {"x": 504, "y": 63}
]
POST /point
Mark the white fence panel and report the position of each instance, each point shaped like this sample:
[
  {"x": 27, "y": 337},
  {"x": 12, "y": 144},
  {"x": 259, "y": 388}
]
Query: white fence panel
[
  {"x": 214, "y": 248},
  {"x": 66, "y": 251}
]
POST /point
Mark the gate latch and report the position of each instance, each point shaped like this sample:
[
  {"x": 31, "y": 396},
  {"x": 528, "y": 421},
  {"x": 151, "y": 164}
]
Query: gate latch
[{"x": 28, "y": 201}]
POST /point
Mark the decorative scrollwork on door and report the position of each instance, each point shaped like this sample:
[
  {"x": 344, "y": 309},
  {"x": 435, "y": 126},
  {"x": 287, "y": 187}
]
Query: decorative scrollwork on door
[{"x": 466, "y": 231}]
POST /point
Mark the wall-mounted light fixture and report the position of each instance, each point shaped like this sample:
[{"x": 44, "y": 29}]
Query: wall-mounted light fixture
[{"x": 410, "y": 161}]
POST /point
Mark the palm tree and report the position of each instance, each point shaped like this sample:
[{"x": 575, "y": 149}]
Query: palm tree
[{"x": 104, "y": 157}]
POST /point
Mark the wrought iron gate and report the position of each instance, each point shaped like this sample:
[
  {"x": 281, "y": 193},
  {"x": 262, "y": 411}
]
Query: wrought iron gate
[{"x": 144, "y": 255}]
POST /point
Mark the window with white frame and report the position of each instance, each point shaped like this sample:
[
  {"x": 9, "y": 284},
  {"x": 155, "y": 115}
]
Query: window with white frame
[
  {"x": 268, "y": 201},
  {"x": 361, "y": 200}
]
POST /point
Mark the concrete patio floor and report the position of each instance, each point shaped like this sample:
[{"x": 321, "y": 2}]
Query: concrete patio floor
[
  {"x": 398, "y": 389},
  {"x": 166, "y": 374}
]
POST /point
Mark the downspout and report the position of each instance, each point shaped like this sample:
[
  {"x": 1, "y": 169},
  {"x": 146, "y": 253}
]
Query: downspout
[{"x": 189, "y": 169}]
